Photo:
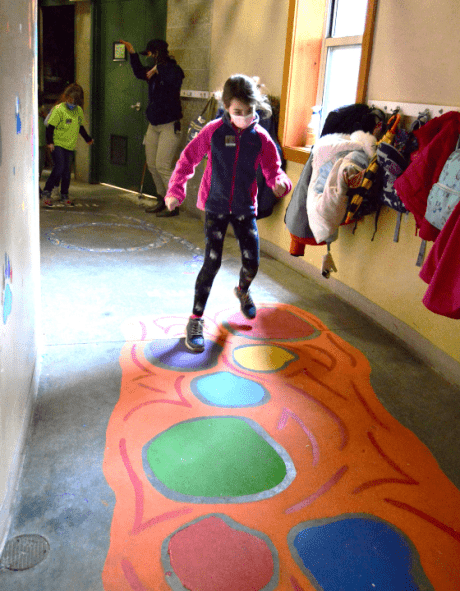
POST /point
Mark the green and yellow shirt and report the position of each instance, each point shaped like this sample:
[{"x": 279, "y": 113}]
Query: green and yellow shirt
[{"x": 67, "y": 125}]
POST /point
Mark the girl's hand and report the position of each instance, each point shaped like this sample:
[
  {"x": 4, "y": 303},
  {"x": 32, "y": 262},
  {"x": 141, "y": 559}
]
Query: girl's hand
[
  {"x": 171, "y": 203},
  {"x": 128, "y": 46},
  {"x": 90, "y": 143},
  {"x": 51, "y": 147},
  {"x": 280, "y": 189},
  {"x": 152, "y": 72}
]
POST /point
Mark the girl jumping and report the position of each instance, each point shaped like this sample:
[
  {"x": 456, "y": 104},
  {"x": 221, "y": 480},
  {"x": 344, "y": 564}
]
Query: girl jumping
[{"x": 235, "y": 146}]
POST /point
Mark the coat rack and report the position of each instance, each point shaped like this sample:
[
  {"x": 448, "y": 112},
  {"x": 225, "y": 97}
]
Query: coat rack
[
  {"x": 411, "y": 109},
  {"x": 203, "y": 94}
]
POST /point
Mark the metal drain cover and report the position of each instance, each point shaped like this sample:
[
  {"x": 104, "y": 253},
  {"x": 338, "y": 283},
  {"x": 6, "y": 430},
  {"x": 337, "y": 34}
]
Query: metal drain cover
[{"x": 23, "y": 552}]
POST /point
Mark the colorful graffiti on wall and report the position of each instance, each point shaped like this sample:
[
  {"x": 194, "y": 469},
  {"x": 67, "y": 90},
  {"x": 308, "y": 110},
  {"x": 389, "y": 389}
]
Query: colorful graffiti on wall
[{"x": 7, "y": 294}]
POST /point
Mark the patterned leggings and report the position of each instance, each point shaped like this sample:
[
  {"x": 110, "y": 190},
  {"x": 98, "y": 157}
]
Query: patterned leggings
[{"x": 245, "y": 228}]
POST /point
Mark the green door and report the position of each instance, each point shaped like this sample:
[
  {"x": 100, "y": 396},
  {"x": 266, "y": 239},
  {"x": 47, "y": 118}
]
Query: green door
[{"x": 119, "y": 100}]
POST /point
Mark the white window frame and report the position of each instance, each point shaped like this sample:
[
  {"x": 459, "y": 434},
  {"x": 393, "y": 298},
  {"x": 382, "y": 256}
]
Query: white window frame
[
  {"x": 328, "y": 42},
  {"x": 304, "y": 34}
]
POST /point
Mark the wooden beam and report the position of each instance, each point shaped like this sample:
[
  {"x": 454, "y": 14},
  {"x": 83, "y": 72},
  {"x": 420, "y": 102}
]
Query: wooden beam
[{"x": 366, "y": 51}]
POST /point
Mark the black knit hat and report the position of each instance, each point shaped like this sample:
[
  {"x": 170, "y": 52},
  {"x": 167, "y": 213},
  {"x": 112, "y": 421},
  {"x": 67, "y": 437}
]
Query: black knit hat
[{"x": 155, "y": 45}]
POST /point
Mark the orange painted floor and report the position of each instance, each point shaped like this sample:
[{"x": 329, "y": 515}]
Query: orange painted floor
[
  {"x": 359, "y": 503},
  {"x": 306, "y": 450}
]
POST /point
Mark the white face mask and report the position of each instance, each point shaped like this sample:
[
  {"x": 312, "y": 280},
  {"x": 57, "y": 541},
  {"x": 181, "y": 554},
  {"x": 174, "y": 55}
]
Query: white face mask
[{"x": 241, "y": 121}]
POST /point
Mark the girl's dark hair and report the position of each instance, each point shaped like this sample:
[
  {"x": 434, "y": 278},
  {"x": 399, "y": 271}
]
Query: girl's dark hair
[
  {"x": 74, "y": 91},
  {"x": 247, "y": 91},
  {"x": 357, "y": 117}
]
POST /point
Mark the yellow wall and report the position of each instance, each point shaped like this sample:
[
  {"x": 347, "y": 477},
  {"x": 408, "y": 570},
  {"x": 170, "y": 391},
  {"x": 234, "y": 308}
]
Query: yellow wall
[
  {"x": 248, "y": 37},
  {"x": 411, "y": 62},
  {"x": 382, "y": 271},
  {"x": 415, "y": 54}
]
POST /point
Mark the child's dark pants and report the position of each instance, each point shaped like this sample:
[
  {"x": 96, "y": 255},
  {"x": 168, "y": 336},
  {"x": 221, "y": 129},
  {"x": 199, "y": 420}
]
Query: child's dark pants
[
  {"x": 245, "y": 228},
  {"x": 61, "y": 170}
]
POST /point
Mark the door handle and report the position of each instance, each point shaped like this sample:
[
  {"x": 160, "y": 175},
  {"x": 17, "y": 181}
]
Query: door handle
[{"x": 137, "y": 106}]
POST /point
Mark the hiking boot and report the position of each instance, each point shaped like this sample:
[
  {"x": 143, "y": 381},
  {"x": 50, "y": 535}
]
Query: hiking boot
[
  {"x": 194, "y": 339},
  {"x": 248, "y": 307}
]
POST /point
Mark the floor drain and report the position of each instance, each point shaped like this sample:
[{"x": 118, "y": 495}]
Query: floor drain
[{"x": 23, "y": 552}]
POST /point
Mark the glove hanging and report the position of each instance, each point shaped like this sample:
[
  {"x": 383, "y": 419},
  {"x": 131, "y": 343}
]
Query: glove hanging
[{"x": 328, "y": 263}]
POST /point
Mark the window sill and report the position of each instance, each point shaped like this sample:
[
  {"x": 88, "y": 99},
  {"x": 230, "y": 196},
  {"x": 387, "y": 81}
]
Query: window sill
[{"x": 293, "y": 154}]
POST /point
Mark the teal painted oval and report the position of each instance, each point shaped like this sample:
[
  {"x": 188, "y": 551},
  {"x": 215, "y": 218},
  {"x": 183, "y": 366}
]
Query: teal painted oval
[{"x": 226, "y": 389}]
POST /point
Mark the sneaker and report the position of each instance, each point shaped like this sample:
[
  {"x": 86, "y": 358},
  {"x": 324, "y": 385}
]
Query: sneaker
[
  {"x": 194, "y": 339},
  {"x": 165, "y": 213},
  {"x": 47, "y": 201},
  {"x": 248, "y": 307},
  {"x": 65, "y": 200}
]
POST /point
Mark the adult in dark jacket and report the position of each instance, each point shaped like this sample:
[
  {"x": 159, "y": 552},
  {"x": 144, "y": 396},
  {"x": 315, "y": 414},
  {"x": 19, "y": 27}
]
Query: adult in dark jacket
[{"x": 164, "y": 112}]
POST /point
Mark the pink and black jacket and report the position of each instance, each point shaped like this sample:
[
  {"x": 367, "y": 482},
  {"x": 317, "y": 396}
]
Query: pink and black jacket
[{"x": 229, "y": 182}]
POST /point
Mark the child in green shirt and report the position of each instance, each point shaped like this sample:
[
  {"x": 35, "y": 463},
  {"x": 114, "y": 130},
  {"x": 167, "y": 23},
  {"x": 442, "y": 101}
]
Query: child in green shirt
[{"x": 64, "y": 125}]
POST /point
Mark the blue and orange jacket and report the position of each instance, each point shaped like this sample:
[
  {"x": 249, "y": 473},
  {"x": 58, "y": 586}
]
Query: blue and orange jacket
[{"x": 229, "y": 182}]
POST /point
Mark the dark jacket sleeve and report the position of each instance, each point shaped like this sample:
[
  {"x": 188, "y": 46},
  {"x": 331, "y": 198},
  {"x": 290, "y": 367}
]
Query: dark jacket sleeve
[
  {"x": 84, "y": 134},
  {"x": 139, "y": 70},
  {"x": 296, "y": 217},
  {"x": 50, "y": 133}
]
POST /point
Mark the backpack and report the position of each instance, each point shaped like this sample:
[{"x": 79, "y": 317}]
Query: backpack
[
  {"x": 391, "y": 164},
  {"x": 364, "y": 199},
  {"x": 207, "y": 115},
  {"x": 445, "y": 194},
  {"x": 265, "y": 197},
  {"x": 393, "y": 159}
]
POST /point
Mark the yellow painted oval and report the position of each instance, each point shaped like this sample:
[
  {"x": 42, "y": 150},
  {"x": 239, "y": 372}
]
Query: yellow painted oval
[{"x": 263, "y": 357}]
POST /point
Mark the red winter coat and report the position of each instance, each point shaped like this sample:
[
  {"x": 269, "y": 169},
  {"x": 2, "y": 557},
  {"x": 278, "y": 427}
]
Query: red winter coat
[
  {"x": 442, "y": 270},
  {"x": 437, "y": 139}
]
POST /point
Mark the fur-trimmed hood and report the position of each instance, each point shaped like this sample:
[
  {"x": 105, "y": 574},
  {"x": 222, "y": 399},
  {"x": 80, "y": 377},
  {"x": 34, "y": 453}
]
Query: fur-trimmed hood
[
  {"x": 333, "y": 155},
  {"x": 331, "y": 146}
]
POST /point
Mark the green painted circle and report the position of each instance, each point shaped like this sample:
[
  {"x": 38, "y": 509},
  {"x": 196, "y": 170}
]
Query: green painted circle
[{"x": 215, "y": 457}]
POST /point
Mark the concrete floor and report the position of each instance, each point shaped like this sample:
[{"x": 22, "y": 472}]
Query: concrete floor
[{"x": 105, "y": 261}]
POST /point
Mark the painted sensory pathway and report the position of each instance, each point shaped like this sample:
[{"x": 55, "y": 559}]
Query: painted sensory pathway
[{"x": 268, "y": 463}]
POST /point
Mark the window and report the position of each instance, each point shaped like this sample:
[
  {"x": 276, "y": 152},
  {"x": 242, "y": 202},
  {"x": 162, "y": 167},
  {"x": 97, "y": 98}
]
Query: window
[
  {"x": 328, "y": 50},
  {"x": 341, "y": 54}
]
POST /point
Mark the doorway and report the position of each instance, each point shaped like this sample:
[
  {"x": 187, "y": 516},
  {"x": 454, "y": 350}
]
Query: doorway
[
  {"x": 119, "y": 100},
  {"x": 116, "y": 101},
  {"x": 56, "y": 57},
  {"x": 56, "y": 68}
]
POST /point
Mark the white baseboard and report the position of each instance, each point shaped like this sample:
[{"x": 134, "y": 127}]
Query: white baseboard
[
  {"x": 436, "y": 359},
  {"x": 6, "y": 509}
]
